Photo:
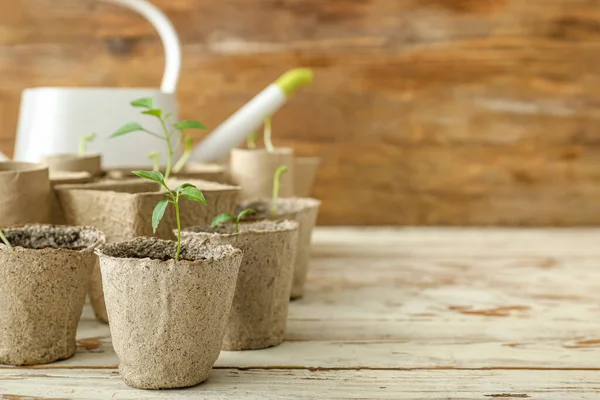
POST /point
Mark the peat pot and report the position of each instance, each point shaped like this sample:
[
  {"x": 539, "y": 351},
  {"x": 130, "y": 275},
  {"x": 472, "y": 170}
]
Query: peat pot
[
  {"x": 167, "y": 317},
  {"x": 43, "y": 282}
]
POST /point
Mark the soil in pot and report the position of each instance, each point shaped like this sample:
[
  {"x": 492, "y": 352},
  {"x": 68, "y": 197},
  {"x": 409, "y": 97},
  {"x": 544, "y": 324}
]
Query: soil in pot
[
  {"x": 259, "y": 311},
  {"x": 122, "y": 210},
  {"x": 167, "y": 318},
  {"x": 25, "y": 193},
  {"x": 253, "y": 171},
  {"x": 43, "y": 282},
  {"x": 303, "y": 210},
  {"x": 92, "y": 164},
  {"x": 305, "y": 172}
]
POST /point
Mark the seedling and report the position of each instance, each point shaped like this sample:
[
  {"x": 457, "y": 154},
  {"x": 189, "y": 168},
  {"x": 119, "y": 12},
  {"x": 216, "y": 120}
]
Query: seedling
[
  {"x": 251, "y": 140},
  {"x": 267, "y": 134},
  {"x": 5, "y": 240},
  {"x": 186, "y": 190},
  {"x": 83, "y": 142},
  {"x": 187, "y": 153},
  {"x": 222, "y": 218},
  {"x": 168, "y": 129},
  {"x": 280, "y": 171},
  {"x": 155, "y": 157}
]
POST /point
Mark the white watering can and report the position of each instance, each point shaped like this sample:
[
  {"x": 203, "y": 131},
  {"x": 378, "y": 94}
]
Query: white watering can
[{"x": 52, "y": 119}]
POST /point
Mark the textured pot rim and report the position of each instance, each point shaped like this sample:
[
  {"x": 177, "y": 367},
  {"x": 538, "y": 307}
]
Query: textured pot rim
[
  {"x": 88, "y": 249},
  {"x": 29, "y": 167},
  {"x": 262, "y": 150},
  {"x": 292, "y": 226},
  {"x": 98, "y": 186},
  {"x": 73, "y": 156},
  {"x": 310, "y": 203},
  {"x": 231, "y": 252}
]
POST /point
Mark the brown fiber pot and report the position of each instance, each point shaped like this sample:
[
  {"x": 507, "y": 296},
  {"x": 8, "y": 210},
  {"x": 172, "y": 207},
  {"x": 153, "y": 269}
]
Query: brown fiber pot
[
  {"x": 253, "y": 170},
  {"x": 92, "y": 164},
  {"x": 191, "y": 170},
  {"x": 260, "y": 306},
  {"x": 303, "y": 210},
  {"x": 25, "y": 194},
  {"x": 167, "y": 318},
  {"x": 305, "y": 172},
  {"x": 123, "y": 210},
  {"x": 43, "y": 282}
]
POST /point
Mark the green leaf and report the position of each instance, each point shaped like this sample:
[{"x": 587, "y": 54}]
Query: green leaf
[
  {"x": 222, "y": 218},
  {"x": 193, "y": 193},
  {"x": 154, "y": 111},
  {"x": 183, "y": 186},
  {"x": 127, "y": 128},
  {"x": 146, "y": 102},
  {"x": 189, "y": 124},
  {"x": 155, "y": 176},
  {"x": 245, "y": 212},
  {"x": 158, "y": 213}
]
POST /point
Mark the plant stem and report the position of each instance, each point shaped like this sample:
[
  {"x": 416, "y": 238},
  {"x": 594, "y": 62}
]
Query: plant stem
[
  {"x": 275, "y": 194},
  {"x": 178, "y": 228},
  {"x": 267, "y": 134},
  {"x": 82, "y": 146},
  {"x": 237, "y": 225},
  {"x": 5, "y": 240},
  {"x": 170, "y": 147}
]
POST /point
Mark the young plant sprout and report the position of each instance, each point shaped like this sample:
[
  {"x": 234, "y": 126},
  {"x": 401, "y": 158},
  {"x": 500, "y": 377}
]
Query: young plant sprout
[
  {"x": 280, "y": 171},
  {"x": 83, "y": 141},
  {"x": 155, "y": 157},
  {"x": 267, "y": 134},
  {"x": 222, "y": 218},
  {"x": 251, "y": 140},
  {"x": 5, "y": 240},
  {"x": 168, "y": 129},
  {"x": 188, "y": 146},
  {"x": 186, "y": 190}
]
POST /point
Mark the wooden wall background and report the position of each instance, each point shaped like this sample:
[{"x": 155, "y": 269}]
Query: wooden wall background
[{"x": 452, "y": 112}]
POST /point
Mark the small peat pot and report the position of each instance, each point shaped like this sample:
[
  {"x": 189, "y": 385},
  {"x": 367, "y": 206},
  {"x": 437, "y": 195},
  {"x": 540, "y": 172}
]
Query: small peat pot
[
  {"x": 92, "y": 164},
  {"x": 64, "y": 178},
  {"x": 167, "y": 317},
  {"x": 122, "y": 210},
  {"x": 260, "y": 306},
  {"x": 253, "y": 171},
  {"x": 191, "y": 170},
  {"x": 25, "y": 194},
  {"x": 43, "y": 281},
  {"x": 305, "y": 172},
  {"x": 303, "y": 210}
]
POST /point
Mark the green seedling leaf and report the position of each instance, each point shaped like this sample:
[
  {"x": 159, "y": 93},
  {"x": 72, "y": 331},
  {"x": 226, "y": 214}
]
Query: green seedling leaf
[
  {"x": 245, "y": 212},
  {"x": 183, "y": 186},
  {"x": 5, "y": 240},
  {"x": 158, "y": 213},
  {"x": 194, "y": 194},
  {"x": 222, "y": 218},
  {"x": 83, "y": 141},
  {"x": 146, "y": 102},
  {"x": 189, "y": 124},
  {"x": 155, "y": 176},
  {"x": 154, "y": 111},
  {"x": 127, "y": 128}
]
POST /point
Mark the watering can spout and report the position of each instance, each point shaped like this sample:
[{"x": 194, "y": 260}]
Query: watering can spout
[{"x": 247, "y": 119}]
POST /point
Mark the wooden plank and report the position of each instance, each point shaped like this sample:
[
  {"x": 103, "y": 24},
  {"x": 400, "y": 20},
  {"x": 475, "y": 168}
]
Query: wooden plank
[
  {"x": 305, "y": 384},
  {"x": 439, "y": 112}
]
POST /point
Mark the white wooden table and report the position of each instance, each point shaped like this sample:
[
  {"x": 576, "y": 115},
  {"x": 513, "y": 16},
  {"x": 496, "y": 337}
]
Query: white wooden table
[{"x": 398, "y": 314}]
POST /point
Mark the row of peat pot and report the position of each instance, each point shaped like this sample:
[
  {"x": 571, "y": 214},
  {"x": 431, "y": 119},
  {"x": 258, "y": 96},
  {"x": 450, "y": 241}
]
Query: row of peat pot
[{"x": 168, "y": 320}]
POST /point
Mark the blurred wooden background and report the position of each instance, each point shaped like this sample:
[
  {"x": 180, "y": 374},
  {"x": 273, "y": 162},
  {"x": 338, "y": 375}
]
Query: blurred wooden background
[{"x": 452, "y": 112}]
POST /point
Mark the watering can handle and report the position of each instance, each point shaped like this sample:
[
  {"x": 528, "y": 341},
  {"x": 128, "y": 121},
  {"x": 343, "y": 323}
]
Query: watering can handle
[{"x": 168, "y": 36}]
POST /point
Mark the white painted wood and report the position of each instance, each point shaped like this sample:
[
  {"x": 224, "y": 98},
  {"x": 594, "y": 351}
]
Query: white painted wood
[
  {"x": 472, "y": 310},
  {"x": 318, "y": 385}
]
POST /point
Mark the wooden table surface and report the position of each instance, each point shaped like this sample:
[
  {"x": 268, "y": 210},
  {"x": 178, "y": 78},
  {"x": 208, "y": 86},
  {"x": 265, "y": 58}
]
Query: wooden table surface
[{"x": 398, "y": 314}]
